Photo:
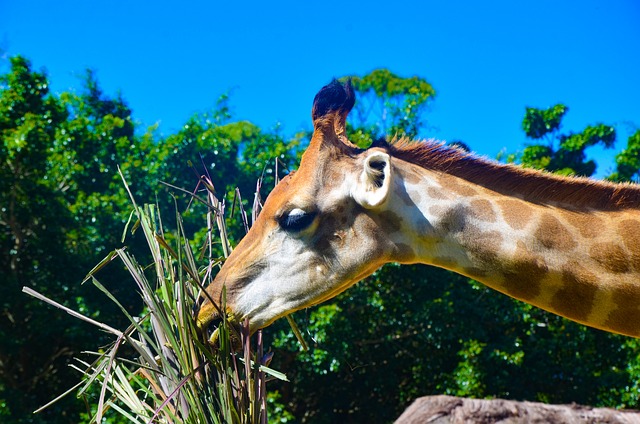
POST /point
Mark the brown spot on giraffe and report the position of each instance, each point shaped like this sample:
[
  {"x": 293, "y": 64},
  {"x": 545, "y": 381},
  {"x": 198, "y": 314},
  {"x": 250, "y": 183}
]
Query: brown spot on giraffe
[
  {"x": 629, "y": 231},
  {"x": 587, "y": 224},
  {"x": 404, "y": 253},
  {"x": 436, "y": 193},
  {"x": 411, "y": 176},
  {"x": 331, "y": 232},
  {"x": 483, "y": 245},
  {"x": 611, "y": 257},
  {"x": 417, "y": 174},
  {"x": 552, "y": 234},
  {"x": 516, "y": 213},
  {"x": 482, "y": 209},
  {"x": 575, "y": 298},
  {"x": 317, "y": 269},
  {"x": 524, "y": 280},
  {"x": 626, "y": 316},
  {"x": 453, "y": 219},
  {"x": 454, "y": 185},
  {"x": 323, "y": 238},
  {"x": 390, "y": 221}
]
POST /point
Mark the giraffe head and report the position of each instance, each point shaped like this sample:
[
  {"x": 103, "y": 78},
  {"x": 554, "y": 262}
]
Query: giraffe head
[{"x": 302, "y": 250}]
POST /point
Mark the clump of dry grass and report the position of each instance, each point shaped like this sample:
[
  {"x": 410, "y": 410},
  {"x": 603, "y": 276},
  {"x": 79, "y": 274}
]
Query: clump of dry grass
[{"x": 174, "y": 376}]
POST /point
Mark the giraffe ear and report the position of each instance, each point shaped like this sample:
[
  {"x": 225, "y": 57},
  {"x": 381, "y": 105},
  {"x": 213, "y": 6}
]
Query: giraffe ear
[{"x": 372, "y": 187}]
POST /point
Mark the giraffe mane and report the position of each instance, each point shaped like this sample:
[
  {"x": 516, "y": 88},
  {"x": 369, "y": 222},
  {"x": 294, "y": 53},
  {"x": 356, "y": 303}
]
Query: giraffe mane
[{"x": 534, "y": 186}]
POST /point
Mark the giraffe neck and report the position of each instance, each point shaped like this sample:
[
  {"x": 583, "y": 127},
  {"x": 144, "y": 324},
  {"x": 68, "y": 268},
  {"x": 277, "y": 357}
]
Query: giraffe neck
[{"x": 580, "y": 263}]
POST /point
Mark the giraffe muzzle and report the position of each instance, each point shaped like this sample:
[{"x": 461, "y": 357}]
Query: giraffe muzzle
[{"x": 210, "y": 323}]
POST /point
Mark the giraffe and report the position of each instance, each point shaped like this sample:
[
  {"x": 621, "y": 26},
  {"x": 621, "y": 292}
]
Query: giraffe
[{"x": 567, "y": 245}]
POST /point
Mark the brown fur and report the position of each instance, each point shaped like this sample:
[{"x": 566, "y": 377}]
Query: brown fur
[
  {"x": 483, "y": 210},
  {"x": 552, "y": 234},
  {"x": 525, "y": 278},
  {"x": 627, "y": 314},
  {"x": 534, "y": 186},
  {"x": 611, "y": 257},
  {"x": 588, "y": 224},
  {"x": 576, "y": 297},
  {"x": 515, "y": 212},
  {"x": 629, "y": 230}
]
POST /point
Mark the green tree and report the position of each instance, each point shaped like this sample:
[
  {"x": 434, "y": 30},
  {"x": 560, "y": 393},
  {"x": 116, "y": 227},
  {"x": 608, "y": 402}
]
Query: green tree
[
  {"x": 233, "y": 154},
  {"x": 561, "y": 153},
  {"x": 628, "y": 160},
  {"x": 91, "y": 145},
  {"x": 35, "y": 220},
  {"x": 63, "y": 208},
  {"x": 388, "y": 105}
]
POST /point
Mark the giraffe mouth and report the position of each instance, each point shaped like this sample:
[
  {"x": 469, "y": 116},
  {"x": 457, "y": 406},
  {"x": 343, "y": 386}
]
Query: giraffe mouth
[
  {"x": 219, "y": 332},
  {"x": 212, "y": 331}
]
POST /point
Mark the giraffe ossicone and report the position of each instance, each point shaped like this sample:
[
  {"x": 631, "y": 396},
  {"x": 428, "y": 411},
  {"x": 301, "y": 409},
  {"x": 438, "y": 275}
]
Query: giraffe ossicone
[{"x": 568, "y": 245}]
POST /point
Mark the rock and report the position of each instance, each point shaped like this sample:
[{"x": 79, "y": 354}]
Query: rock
[{"x": 454, "y": 410}]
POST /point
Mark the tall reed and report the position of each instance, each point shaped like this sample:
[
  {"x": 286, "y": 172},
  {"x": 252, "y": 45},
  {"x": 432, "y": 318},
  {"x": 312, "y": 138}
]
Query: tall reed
[{"x": 173, "y": 375}]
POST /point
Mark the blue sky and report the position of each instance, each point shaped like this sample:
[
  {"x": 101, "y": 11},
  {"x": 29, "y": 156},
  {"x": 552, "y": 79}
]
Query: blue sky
[{"x": 487, "y": 60}]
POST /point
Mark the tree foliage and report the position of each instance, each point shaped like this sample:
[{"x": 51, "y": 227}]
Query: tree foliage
[
  {"x": 628, "y": 160},
  {"x": 35, "y": 220},
  {"x": 539, "y": 122},
  {"x": 388, "y": 105},
  {"x": 561, "y": 153}
]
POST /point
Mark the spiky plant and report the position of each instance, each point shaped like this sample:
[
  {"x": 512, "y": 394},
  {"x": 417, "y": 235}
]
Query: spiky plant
[{"x": 174, "y": 376}]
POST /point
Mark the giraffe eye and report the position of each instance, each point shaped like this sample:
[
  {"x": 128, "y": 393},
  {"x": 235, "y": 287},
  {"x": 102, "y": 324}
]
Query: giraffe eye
[{"x": 296, "y": 220}]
